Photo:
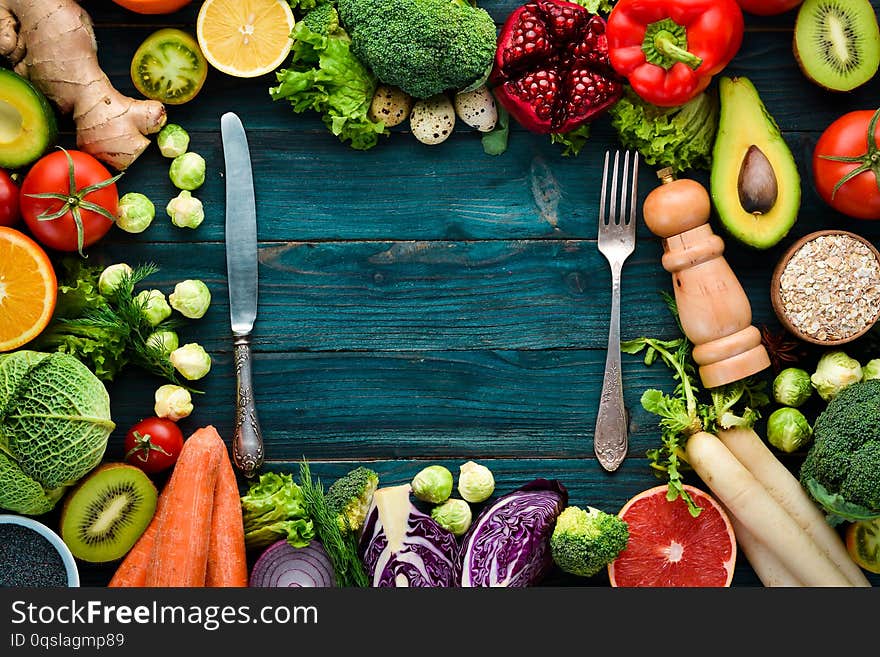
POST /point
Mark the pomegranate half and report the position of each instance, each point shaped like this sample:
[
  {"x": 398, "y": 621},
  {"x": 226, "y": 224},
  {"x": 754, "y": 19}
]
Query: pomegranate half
[{"x": 551, "y": 70}]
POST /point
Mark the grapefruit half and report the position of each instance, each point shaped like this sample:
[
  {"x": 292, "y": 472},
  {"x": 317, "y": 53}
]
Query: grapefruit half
[{"x": 668, "y": 547}]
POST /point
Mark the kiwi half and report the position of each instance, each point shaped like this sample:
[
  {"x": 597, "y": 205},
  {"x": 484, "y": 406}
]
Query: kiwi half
[
  {"x": 107, "y": 512},
  {"x": 837, "y": 42}
]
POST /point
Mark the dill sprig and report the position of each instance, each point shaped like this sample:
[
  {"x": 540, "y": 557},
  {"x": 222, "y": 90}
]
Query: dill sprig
[{"x": 342, "y": 548}]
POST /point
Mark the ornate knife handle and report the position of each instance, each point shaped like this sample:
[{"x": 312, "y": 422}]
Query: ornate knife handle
[{"x": 247, "y": 442}]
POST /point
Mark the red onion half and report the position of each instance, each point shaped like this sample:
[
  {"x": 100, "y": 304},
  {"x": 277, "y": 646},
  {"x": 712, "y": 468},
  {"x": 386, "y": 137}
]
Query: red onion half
[{"x": 282, "y": 565}]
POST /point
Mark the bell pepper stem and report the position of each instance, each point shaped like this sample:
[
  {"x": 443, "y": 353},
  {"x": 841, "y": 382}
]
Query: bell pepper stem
[{"x": 665, "y": 45}]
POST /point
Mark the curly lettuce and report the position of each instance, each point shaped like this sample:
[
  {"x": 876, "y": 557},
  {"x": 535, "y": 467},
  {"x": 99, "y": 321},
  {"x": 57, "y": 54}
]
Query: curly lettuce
[
  {"x": 323, "y": 75},
  {"x": 678, "y": 137},
  {"x": 274, "y": 508}
]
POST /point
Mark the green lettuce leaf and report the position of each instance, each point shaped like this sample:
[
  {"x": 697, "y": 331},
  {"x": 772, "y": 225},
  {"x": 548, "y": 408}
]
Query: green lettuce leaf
[
  {"x": 572, "y": 142},
  {"x": 597, "y": 6},
  {"x": 678, "y": 137},
  {"x": 324, "y": 76},
  {"x": 273, "y": 509}
]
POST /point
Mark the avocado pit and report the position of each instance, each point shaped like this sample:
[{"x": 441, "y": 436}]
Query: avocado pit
[{"x": 757, "y": 185}]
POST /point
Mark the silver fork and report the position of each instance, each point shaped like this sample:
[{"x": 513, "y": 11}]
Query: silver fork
[{"x": 617, "y": 240}]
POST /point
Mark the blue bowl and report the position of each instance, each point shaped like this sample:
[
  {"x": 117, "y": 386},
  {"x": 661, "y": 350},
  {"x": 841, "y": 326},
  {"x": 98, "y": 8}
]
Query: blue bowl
[{"x": 66, "y": 556}]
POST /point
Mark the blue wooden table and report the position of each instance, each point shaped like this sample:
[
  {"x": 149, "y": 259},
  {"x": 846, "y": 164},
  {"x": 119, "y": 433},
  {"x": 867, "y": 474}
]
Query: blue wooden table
[{"x": 432, "y": 304}]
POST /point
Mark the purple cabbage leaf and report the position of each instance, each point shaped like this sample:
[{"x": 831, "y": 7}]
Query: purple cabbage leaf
[
  {"x": 509, "y": 542},
  {"x": 401, "y": 546}
]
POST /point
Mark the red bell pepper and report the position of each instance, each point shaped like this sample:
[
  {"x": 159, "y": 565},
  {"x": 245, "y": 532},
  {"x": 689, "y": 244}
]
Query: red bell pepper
[{"x": 670, "y": 49}]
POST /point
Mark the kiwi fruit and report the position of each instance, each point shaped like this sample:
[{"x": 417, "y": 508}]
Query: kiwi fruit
[
  {"x": 107, "y": 511},
  {"x": 837, "y": 42}
]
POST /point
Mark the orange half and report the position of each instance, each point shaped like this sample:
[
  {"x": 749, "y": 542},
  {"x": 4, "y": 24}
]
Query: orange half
[
  {"x": 245, "y": 38},
  {"x": 28, "y": 289}
]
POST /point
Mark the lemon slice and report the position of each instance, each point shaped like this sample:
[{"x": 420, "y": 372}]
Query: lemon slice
[{"x": 245, "y": 38}]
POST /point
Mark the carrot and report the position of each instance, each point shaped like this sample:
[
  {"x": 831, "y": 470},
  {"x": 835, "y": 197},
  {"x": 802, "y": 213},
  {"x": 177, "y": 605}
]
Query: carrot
[
  {"x": 180, "y": 553},
  {"x": 739, "y": 491},
  {"x": 784, "y": 487},
  {"x": 767, "y": 566},
  {"x": 227, "y": 561},
  {"x": 132, "y": 572}
]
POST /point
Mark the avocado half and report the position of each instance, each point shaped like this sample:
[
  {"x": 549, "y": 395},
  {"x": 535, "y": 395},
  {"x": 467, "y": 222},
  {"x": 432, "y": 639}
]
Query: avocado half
[
  {"x": 27, "y": 121},
  {"x": 755, "y": 184}
]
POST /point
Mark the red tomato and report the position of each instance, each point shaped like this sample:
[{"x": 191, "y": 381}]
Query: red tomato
[
  {"x": 850, "y": 137},
  {"x": 152, "y": 6},
  {"x": 9, "y": 215},
  {"x": 768, "y": 7},
  {"x": 96, "y": 207},
  {"x": 153, "y": 445}
]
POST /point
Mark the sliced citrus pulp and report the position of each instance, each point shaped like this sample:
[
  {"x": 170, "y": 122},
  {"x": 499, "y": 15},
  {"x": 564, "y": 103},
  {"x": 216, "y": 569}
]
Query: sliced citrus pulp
[
  {"x": 28, "y": 289},
  {"x": 245, "y": 38},
  {"x": 668, "y": 547}
]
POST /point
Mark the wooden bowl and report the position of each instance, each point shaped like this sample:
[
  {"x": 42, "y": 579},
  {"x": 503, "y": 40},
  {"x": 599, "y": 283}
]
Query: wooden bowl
[{"x": 776, "y": 296}]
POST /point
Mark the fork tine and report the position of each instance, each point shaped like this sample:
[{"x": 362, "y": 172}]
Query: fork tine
[
  {"x": 634, "y": 197},
  {"x": 623, "y": 188},
  {"x": 602, "y": 208},
  {"x": 613, "y": 218}
]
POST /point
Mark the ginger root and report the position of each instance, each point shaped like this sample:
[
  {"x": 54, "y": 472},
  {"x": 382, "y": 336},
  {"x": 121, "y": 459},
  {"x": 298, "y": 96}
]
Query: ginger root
[{"x": 52, "y": 43}]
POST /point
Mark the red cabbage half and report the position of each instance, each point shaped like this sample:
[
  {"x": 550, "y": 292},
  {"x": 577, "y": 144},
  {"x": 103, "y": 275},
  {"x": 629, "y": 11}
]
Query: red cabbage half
[
  {"x": 509, "y": 542},
  {"x": 401, "y": 546}
]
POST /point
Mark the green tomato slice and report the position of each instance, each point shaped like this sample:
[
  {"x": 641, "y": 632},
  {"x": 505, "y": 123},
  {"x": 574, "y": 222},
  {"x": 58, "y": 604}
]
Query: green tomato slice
[
  {"x": 169, "y": 67},
  {"x": 863, "y": 544}
]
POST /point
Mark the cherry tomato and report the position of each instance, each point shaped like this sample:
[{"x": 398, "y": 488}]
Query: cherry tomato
[
  {"x": 9, "y": 215},
  {"x": 768, "y": 7},
  {"x": 850, "y": 186},
  {"x": 49, "y": 205},
  {"x": 152, "y": 6},
  {"x": 153, "y": 444}
]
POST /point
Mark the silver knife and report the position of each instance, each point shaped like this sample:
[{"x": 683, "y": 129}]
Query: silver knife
[{"x": 241, "y": 272}]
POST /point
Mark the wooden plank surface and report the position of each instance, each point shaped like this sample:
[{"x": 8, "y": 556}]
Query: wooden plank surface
[{"x": 432, "y": 304}]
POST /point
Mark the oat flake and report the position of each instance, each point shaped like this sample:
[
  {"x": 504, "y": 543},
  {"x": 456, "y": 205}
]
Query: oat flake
[{"x": 830, "y": 288}]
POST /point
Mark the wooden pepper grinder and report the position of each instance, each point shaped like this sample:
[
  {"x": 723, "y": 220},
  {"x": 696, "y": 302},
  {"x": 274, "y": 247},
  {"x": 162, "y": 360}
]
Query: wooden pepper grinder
[{"x": 713, "y": 308}]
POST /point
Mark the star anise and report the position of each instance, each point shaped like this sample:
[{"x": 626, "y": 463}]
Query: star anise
[{"x": 782, "y": 348}]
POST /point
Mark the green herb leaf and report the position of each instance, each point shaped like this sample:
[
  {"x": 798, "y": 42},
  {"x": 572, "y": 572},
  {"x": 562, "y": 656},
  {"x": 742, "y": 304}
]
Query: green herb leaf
[{"x": 341, "y": 547}]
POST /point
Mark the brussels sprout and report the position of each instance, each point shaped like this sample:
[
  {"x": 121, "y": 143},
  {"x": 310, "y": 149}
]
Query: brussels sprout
[
  {"x": 154, "y": 306},
  {"x": 190, "y": 298},
  {"x": 166, "y": 341},
  {"x": 834, "y": 372},
  {"x": 792, "y": 387},
  {"x": 111, "y": 277},
  {"x": 172, "y": 140},
  {"x": 453, "y": 515},
  {"x": 788, "y": 430},
  {"x": 185, "y": 210},
  {"x": 871, "y": 370},
  {"x": 135, "y": 212},
  {"x": 475, "y": 482},
  {"x": 173, "y": 402},
  {"x": 433, "y": 484},
  {"x": 187, "y": 171},
  {"x": 191, "y": 360}
]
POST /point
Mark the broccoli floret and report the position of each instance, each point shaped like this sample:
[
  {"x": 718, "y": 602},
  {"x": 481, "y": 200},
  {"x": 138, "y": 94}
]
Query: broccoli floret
[
  {"x": 424, "y": 47},
  {"x": 842, "y": 468},
  {"x": 323, "y": 19},
  {"x": 585, "y": 541},
  {"x": 350, "y": 496}
]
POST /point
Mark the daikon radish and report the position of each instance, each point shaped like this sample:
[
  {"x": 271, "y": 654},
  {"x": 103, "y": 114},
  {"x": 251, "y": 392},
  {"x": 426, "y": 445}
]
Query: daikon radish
[
  {"x": 750, "y": 503},
  {"x": 767, "y": 566},
  {"x": 784, "y": 487}
]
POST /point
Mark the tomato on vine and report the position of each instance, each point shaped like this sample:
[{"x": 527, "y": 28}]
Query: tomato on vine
[
  {"x": 69, "y": 200},
  {"x": 846, "y": 165},
  {"x": 153, "y": 444}
]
